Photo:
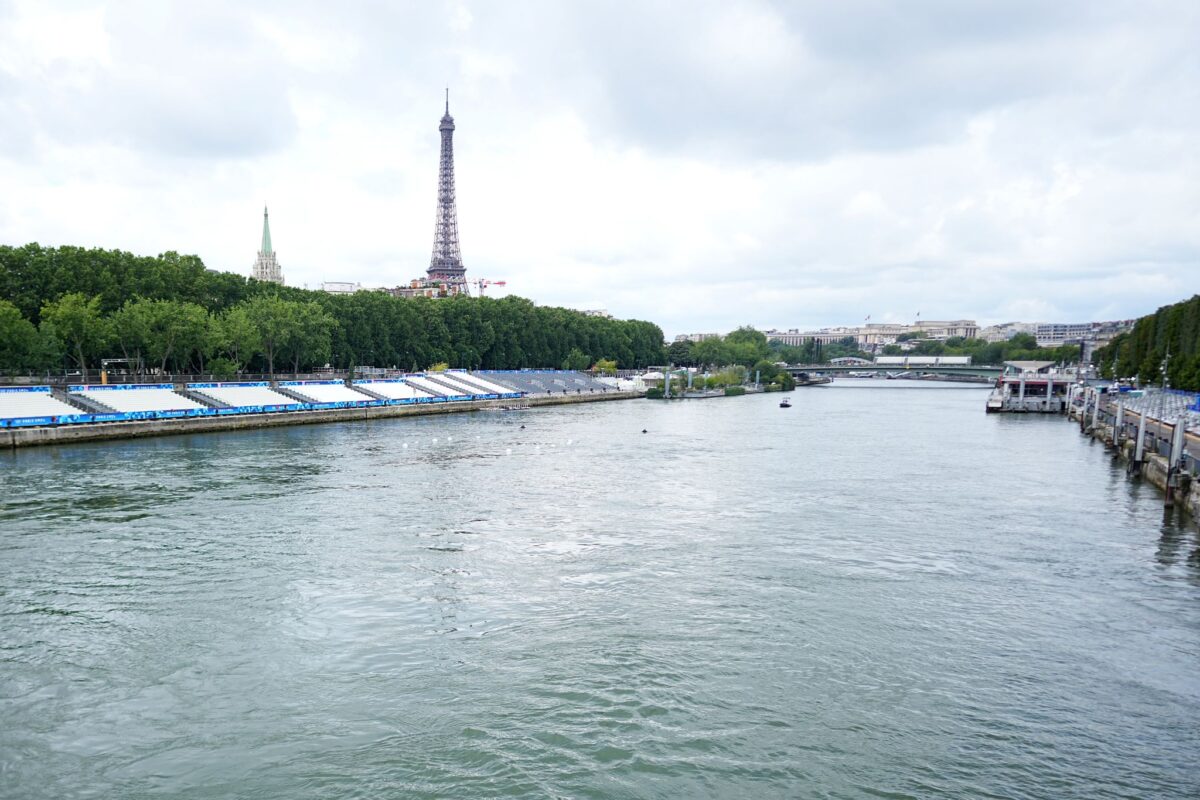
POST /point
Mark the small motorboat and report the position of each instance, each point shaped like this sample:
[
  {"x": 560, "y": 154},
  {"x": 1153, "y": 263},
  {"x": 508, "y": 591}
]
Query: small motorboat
[{"x": 785, "y": 403}]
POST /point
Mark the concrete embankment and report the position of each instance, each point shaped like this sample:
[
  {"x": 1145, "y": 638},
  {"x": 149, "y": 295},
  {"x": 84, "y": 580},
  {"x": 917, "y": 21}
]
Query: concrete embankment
[
  {"x": 67, "y": 434},
  {"x": 1150, "y": 449}
]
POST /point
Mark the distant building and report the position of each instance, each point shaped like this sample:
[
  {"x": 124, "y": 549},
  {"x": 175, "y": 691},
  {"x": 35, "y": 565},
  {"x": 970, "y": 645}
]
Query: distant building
[
  {"x": 425, "y": 287},
  {"x": 874, "y": 336},
  {"x": 597, "y": 312},
  {"x": 966, "y": 328},
  {"x": 1088, "y": 335},
  {"x": 340, "y": 287},
  {"x": 1005, "y": 331},
  {"x": 795, "y": 337},
  {"x": 696, "y": 337},
  {"x": 1054, "y": 334},
  {"x": 266, "y": 267}
]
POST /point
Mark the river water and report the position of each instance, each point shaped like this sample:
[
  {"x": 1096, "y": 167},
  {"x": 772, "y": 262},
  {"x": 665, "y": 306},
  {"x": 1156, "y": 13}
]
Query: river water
[{"x": 881, "y": 592}]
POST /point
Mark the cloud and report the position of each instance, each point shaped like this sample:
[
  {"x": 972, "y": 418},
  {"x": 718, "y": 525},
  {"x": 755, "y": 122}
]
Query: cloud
[{"x": 771, "y": 163}]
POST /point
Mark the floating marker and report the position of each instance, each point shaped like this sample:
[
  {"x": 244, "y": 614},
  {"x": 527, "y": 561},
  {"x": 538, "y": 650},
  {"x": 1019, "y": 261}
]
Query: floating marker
[
  {"x": 508, "y": 451},
  {"x": 405, "y": 445}
]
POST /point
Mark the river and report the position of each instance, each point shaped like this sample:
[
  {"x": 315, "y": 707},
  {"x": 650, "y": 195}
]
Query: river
[{"x": 880, "y": 592}]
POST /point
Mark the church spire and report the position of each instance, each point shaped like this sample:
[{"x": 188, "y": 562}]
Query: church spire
[
  {"x": 266, "y": 266},
  {"x": 266, "y": 242}
]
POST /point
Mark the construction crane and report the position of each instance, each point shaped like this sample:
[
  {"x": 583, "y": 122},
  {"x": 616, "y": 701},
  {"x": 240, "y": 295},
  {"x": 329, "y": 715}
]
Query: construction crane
[{"x": 482, "y": 283}]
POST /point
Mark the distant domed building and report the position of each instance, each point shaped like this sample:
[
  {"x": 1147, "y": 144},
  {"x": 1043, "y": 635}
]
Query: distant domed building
[{"x": 266, "y": 267}]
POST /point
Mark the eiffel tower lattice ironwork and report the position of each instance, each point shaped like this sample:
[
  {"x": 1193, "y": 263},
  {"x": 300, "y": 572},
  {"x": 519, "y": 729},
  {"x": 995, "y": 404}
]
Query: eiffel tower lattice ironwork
[{"x": 446, "y": 265}]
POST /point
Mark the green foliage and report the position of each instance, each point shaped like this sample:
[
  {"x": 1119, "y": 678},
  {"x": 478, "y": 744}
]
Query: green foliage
[
  {"x": 1141, "y": 351},
  {"x": 654, "y": 393},
  {"x": 20, "y": 345},
  {"x": 223, "y": 368},
  {"x": 441, "y": 366},
  {"x": 75, "y": 320},
  {"x": 236, "y": 339},
  {"x": 680, "y": 353},
  {"x": 606, "y": 366},
  {"x": 576, "y": 359},
  {"x": 731, "y": 376},
  {"x": 78, "y": 298},
  {"x": 734, "y": 391}
]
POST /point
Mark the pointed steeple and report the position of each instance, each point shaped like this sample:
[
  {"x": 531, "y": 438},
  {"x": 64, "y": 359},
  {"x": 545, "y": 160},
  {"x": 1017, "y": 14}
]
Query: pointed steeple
[
  {"x": 266, "y": 242},
  {"x": 266, "y": 266}
]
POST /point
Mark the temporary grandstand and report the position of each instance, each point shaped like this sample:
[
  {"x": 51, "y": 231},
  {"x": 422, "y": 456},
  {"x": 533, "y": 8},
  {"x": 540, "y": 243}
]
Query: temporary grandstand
[
  {"x": 33, "y": 403},
  {"x": 547, "y": 381},
  {"x": 436, "y": 389},
  {"x": 325, "y": 392},
  {"x": 395, "y": 389},
  {"x": 258, "y": 395},
  {"x": 43, "y": 406},
  {"x": 131, "y": 398},
  {"x": 481, "y": 383}
]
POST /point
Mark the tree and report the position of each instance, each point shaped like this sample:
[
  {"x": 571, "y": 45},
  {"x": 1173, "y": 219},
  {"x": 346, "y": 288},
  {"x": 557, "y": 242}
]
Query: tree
[
  {"x": 163, "y": 331},
  {"x": 76, "y": 322},
  {"x": 236, "y": 337},
  {"x": 20, "y": 346},
  {"x": 275, "y": 324},
  {"x": 369, "y": 328},
  {"x": 606, "y": 366},
  {"x": 710, "y": 352},
  {"x": 681, "y": 353},
  {"x": 130, "y": 328},
  {"x": 747, "y": 345},
  {"x": 576, "y": 360},
  {"x": 311, "y": 334}
]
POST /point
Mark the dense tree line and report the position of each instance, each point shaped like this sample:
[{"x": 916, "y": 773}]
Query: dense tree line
[
  {"x": 70, "y": 307},
  {"x": 1140, "y": 352}
]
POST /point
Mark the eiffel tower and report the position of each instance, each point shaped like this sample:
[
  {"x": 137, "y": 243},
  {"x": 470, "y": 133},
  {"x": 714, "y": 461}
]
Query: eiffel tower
[{"x": 446, "y": 265}]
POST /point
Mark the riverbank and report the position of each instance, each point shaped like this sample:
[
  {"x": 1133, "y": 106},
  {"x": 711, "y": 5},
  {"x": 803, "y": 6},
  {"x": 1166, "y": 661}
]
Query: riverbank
[
  {"x": 1150, "y": 449},
  {"x": 14, "y": 438}
]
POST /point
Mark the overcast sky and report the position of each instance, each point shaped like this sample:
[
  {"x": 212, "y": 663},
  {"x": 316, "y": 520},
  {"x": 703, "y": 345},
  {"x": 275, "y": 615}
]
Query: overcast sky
[{"x": 702, "y": 165}]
